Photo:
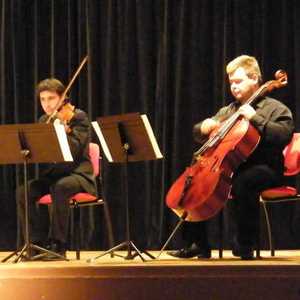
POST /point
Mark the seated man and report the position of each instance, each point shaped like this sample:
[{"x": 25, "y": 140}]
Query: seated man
[
  {"x": 61, "y": 180},
  {"x": 263, "y": 168}
]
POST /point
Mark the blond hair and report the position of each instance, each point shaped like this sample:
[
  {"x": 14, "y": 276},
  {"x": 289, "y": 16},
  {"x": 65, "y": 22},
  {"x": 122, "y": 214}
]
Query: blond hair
[{"x": 248, "y": 63}]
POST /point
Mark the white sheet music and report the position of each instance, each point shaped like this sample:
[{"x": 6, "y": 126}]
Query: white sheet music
[
  {"x": 151, "y": 136},
  {"x": 102, "y": 141},
  {"x": 63, "y": 141}
]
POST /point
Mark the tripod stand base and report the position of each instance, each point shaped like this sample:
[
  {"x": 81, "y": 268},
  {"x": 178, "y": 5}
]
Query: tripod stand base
[
  {"x": 130, "y": 246},
  {"x": 25, "y": 254},
  {"x": 144, "y": 252}
]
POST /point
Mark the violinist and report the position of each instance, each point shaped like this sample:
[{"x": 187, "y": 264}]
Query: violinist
[
  {"x": 262, "y": 170},
  {"x": 61, "y": 180}
]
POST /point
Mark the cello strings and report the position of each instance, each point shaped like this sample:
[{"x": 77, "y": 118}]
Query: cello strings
[{"x": 227, "y": 125}]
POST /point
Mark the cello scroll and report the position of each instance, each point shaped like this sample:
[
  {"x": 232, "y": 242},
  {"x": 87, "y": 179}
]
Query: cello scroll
[{"x": 280, "y": 81}]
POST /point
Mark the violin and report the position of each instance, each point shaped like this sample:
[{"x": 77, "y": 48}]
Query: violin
[{"x": 64, "y": 110}]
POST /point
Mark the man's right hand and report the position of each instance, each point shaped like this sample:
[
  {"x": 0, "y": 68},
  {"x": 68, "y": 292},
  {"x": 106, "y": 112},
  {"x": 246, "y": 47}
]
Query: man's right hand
[{"x": 208, "y": 125}]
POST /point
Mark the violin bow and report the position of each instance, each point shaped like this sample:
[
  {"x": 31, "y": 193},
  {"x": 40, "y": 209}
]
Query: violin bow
[{"x": 68, "y": 88}]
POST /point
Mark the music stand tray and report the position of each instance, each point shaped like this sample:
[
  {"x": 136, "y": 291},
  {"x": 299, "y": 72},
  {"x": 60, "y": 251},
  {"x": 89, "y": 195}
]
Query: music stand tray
[
  {"x": 126, "y": 138},
  {"x": 32, "y": 143}
]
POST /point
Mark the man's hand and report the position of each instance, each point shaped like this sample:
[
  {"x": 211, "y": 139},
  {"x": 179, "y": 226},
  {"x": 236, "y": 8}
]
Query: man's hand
[
  {"x": 247, "y": 111},
  {"x": 208, "y": 125},
  {"x": 67, "y": 128}
]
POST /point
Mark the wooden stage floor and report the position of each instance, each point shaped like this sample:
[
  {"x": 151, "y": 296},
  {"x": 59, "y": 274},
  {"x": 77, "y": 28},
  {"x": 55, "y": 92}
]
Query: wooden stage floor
[{"x": 109, "y": 278}]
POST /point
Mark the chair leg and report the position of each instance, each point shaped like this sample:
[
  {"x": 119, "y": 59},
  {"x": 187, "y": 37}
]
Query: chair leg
[
  {"x": 268, "y": 228},
  {"x": 220, "y": 221},
  {"x": 107, "y": 217},
  {"x": 77, "y": 230},
  {"x": 258, "y": 236}
]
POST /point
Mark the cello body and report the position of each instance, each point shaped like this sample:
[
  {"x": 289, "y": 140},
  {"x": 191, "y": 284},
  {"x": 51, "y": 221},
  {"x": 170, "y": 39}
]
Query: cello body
[{"x": 204, "y": 187}]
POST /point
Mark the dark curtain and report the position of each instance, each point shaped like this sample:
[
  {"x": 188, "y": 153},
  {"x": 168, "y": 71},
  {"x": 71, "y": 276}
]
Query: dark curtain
[{"x": 159, "y": 57}]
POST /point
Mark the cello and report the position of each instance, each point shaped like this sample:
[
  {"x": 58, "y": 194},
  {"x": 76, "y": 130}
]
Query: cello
[{"x": 204, "y": 187}]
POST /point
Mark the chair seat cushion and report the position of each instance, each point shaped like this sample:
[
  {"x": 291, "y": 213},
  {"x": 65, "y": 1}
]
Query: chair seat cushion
[
  {"x": 79, "y": 197},
  {"x": 279, "y": 192}
]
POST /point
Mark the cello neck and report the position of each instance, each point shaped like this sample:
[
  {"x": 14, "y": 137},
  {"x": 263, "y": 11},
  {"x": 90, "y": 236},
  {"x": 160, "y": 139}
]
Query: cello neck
[{"x": 279, "y": 82}]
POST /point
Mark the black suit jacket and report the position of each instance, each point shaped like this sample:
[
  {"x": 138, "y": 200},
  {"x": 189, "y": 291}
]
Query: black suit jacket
[{"x": 81, "y": 167}]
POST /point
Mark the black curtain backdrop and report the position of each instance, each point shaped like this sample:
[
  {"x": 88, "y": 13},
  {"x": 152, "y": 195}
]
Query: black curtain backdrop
[{"x": 164, "y": 58}]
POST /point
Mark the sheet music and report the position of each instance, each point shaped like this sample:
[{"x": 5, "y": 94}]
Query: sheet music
[
  {"x": 63, "y": 141},
  {"x": 102, "y": 141},
  {"x": 151, "y": 136},
  {"x": 137, "y": 127}
]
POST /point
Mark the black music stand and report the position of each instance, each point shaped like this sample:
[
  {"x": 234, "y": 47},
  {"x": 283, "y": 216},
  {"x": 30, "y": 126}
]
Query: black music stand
[
  {"x": 26, "y": 144},
  {"x": 126, "y": 138}
]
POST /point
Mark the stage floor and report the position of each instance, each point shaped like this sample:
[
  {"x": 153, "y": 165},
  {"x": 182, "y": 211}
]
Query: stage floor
[
  {"x": 281, "y": 258},
  {"x": 163, "y": 278}
]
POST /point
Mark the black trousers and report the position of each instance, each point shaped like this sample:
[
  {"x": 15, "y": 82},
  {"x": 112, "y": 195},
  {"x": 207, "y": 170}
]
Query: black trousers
[
  {"x": 195, "y": 232},
  {"x": 61, "y": 189},
  {"x": 247, "y": 184}
]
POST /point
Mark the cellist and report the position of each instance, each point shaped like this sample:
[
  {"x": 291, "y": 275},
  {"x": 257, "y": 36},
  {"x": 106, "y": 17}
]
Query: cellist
[
  {"x": 264, "y": 167},
  {"x": 61, "y": 180}
]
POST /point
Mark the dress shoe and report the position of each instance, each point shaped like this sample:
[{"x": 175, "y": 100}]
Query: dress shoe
[
  {"x": 204, "y": 254},
  {"x": 244, "y": 252},
  {"x": 192, "y": 251},
  {"x": 58, "y": 248}
]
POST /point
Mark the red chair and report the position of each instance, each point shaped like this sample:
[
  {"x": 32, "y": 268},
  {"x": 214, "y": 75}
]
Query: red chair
[
  {"x": 85, "y": 199},
  {"x": 283, "y": 193}
]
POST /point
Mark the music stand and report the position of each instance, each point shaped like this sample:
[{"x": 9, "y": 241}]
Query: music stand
[
  {"x": 126, "y": 138},
  {"x": 26, "y": 144}
]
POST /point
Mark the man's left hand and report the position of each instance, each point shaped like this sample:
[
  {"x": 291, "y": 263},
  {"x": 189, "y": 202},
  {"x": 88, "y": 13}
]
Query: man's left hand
[{"x": 247, "y": 111}]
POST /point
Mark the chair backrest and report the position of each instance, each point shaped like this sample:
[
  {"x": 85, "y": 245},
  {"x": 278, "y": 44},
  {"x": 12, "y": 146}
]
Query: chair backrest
[
  {"x": 292, "y": 156},
  {"x": 94, "y": 152}
]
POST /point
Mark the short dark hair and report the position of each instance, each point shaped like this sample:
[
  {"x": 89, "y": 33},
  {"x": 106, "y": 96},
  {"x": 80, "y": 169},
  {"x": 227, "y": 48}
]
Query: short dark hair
[{"x": 50, "y": 84}]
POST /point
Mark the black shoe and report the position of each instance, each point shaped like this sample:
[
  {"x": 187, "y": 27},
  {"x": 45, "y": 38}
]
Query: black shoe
[
  {"x": 58, "y": 249},
  {"x": 192, "y": 251},
  {"x": 244, "y": 252},
  {"x": 205, "y": 253}
]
